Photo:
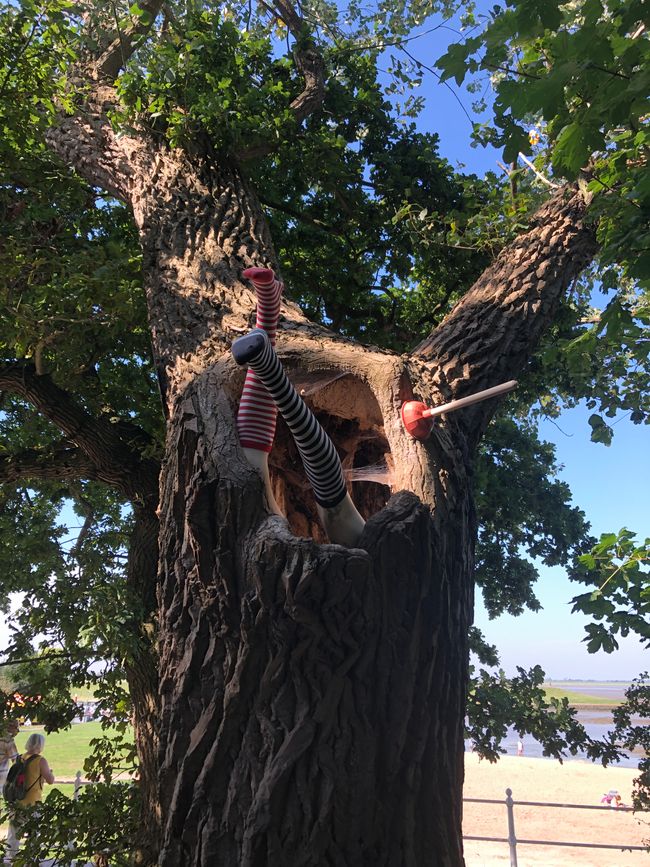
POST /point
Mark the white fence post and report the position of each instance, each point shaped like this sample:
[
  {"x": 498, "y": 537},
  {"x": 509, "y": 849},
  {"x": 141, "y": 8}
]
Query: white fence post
[
  {"x": 512, "y": 840},
  {"x": 77, "y": 788}
]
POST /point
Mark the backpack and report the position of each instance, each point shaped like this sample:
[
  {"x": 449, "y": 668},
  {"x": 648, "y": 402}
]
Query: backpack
[{"x": 16, "y": 787}]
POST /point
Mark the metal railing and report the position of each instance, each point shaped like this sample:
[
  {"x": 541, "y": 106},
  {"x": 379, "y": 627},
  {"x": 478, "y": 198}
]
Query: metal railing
[{"x": 512, "y": 840}]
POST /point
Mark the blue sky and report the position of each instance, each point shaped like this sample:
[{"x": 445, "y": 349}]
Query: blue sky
[{"x": 610, "y": 484}]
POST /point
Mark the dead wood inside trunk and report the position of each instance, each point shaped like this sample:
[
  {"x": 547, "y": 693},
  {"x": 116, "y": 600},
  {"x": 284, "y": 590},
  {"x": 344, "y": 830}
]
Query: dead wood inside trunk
[{"x": 348, "y": 411}]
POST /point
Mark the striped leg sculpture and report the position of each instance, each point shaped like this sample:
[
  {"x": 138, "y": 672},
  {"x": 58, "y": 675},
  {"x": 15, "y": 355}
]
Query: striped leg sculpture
[
  {"x": 341, "y": 520},
  {"x": 319, "y": 457},
  {"x": 257, "y": 412}
]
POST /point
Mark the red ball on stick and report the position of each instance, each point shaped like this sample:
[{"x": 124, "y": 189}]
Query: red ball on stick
[
  {"x": 418, "y": 418},
  {"x": 415, "y": 423}
]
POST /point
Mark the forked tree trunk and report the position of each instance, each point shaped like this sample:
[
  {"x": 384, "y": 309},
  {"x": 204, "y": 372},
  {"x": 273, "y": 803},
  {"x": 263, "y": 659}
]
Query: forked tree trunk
[{"x": 312, "y": 697}]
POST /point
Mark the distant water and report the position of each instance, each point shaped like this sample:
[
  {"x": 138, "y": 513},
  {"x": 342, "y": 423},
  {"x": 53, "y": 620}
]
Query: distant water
[{"x": 597, "y": 721}]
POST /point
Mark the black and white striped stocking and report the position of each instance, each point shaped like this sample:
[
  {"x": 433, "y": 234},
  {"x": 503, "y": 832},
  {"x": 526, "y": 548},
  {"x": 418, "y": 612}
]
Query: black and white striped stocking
[{"x": 319, "y": 457}]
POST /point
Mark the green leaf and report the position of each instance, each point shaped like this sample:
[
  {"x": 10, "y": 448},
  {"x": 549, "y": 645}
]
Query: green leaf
[
  {"x": 601, "y": 432},
  {"x": 606, "y": 542},
  {"x": 454, "y": 62},
  {"x": 571, "y": 150}
]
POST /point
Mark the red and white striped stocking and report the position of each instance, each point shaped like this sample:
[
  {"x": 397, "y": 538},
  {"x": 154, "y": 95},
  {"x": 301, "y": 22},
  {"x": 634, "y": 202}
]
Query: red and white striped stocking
[{"x": 257, "y": 412}]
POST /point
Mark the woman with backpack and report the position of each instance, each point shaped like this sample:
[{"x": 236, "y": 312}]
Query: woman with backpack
[{"x": 36, "y": 772}]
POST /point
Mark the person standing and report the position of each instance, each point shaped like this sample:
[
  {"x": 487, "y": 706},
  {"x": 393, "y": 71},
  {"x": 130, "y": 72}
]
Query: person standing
[
  {"x": 8, "y": 750},
  {"x": 520, "y": 746},
  {"x": 37, "y": 773}
]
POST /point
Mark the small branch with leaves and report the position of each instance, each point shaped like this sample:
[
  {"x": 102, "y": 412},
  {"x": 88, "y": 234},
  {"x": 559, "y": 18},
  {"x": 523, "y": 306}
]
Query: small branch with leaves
[
  {"x": 309, "y": 63},
  {"x": 122, "y": 48}
]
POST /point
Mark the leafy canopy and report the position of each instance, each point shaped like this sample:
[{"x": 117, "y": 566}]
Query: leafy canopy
[
  {"x": 356, "y": 192},
  {"x": 569, "y": 85}
]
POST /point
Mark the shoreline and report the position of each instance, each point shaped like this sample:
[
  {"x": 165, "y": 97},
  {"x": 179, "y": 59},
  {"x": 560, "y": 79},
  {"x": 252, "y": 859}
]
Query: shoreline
[{"x": 572, "y": 760}]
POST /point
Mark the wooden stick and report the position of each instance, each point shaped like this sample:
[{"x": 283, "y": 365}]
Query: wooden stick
[{"x": 470, "y": 399}]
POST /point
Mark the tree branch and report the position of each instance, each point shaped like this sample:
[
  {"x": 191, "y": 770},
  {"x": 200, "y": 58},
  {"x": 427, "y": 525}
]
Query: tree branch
[
  {"x": 107, "y": 446},
  {"x": 86, "y": 142},
  {"x": 494, "y": 329},
  {"x": 611, "y": 72},
  {"x": 538, "y": 174},
  {"x": 58, "y": 654},
  {"x": 299, "y": 215},
  {"x": 89, "y": 519},
  {"x": 511, "y": 70},
  {"x": 59, "y": 463},
  {"x": 311, "y": 66},
  {"x": 121, "y": 49},
  {"x": 309, "y": 63}
]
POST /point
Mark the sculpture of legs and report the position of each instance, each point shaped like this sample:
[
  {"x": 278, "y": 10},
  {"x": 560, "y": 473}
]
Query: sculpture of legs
[
  {"x": 257, "y": 412},
  {"x": 341, "y": 520}
]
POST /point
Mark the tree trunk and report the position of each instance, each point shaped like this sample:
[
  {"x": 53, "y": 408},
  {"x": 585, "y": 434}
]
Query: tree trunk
[
  {"x": 142, "y": 674},
  {"x": 326, "y": 727},
  {"x": 312, "y": 696}
]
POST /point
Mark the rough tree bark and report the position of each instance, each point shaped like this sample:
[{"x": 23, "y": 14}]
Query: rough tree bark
[{"x": 311, "y": 697}]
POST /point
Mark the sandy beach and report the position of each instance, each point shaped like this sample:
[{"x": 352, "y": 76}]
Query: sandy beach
[{"x": 544, "y": 780}]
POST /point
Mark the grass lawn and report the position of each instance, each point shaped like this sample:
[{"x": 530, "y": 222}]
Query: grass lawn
[
  {"x": 580, "y": 698},
  {"x": 83, "y": 693},
  {"x": 66, "y": 750}
]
